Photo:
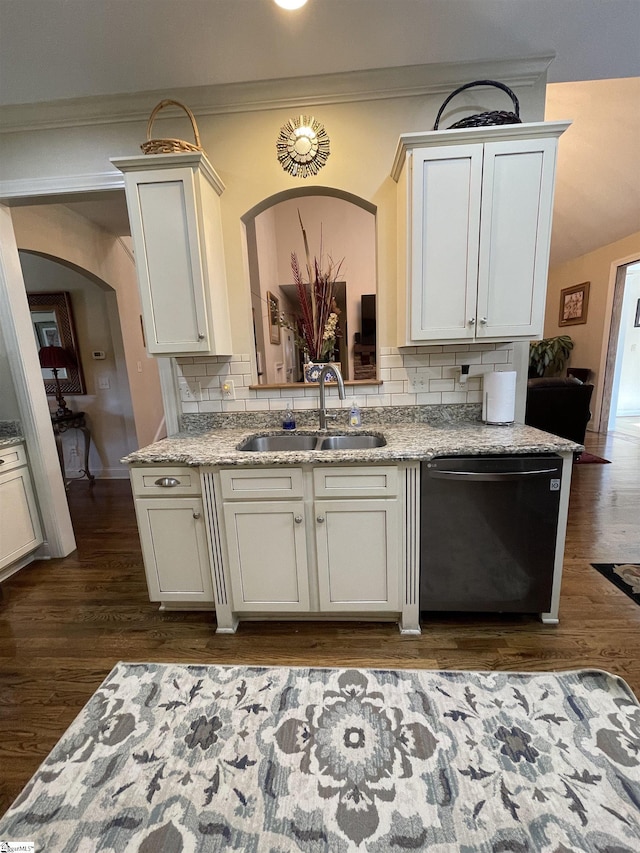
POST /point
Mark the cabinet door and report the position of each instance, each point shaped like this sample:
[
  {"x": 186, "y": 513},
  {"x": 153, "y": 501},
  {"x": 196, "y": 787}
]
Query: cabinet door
[
  {"x": 445, "y": 222},
  {"x": 357, "y": 545},
  {"x": 267, "y": 550},
  {"x": 20, "y": 531},
  {"x": 517, "y": 199},
  {"x": 169, "y": 261},
  {"x": 174, "y": 547}
]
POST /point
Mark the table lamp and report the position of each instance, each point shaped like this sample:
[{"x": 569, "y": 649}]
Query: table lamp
[{"x": 57, "y": 358}]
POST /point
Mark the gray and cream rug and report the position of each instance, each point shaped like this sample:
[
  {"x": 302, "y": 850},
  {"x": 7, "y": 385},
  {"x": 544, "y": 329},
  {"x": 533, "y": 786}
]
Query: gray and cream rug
[{"x": 167, "y": 758}]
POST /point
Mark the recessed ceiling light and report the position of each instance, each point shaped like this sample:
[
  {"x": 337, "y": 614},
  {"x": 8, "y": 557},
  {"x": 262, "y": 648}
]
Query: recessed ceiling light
[{"x": 290, "y": 4}]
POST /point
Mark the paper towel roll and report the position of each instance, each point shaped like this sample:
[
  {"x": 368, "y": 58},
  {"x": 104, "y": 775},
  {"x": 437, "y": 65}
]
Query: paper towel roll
[{"x": 499, "y": 397}]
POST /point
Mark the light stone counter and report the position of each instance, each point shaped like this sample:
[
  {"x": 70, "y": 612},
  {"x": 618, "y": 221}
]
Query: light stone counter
[
  {"x": 414, "y": 441},
  {"x": 9, "y": 440}
]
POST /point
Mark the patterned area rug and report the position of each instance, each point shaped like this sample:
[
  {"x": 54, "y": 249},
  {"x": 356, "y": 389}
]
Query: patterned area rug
[
  {"x": 167, "y": 758},
  {"x": 626, "y": 576}
]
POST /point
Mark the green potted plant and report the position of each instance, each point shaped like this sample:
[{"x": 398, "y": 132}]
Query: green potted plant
[{"x": 549, "y": 356}]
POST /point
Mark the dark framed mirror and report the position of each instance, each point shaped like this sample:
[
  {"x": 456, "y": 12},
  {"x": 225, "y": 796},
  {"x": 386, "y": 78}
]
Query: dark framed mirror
[{"x": 54, "y": 326}]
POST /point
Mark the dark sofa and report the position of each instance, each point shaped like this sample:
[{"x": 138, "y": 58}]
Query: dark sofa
[{"x": 559, "y": 406}]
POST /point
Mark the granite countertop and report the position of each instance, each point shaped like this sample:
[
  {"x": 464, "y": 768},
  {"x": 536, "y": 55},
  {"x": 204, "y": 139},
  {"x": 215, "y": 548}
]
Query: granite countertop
[
  {"x": 414, "y": 441},
  {"x": 9, "y": 440},
  {"x": 10, "y": 433}
]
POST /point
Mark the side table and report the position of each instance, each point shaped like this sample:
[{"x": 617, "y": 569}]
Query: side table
[{"x": 63, "y": 423}]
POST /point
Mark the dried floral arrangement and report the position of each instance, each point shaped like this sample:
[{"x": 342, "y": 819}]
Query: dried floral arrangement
[{"x": 318, "y": 327}]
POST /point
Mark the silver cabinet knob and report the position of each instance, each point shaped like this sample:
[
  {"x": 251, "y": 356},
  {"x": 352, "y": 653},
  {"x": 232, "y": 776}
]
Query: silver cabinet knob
[
  {"x": 298, "y": 519},
  {"x": 196, "y": 515},
  {"x": 167, "y": 482},
  {"x": 200, "y": 336},
  {"x": 320, "y": 519},
  {"x": 483, "y": 321},
  {"x": 472, "y": 321}
]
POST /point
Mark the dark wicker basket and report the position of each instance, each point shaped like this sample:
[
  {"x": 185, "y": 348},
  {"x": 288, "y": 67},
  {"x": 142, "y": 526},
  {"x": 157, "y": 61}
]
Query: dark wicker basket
[{"x": 484, "y": 119}]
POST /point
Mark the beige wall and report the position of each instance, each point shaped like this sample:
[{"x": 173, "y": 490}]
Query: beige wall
[
  {"x": 591, "y": 338},
  {"x": 58, "y": 232},
  {"x": 108, "y": 411}
]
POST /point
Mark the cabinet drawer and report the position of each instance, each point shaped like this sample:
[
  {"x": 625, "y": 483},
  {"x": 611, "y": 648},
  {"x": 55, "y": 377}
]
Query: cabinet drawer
[
  {"x": 165, "y": 481},
  {"x": 240, "y": 484},
  {"x": 12, "y": 457},
  {"x": 353, "y": 482}
]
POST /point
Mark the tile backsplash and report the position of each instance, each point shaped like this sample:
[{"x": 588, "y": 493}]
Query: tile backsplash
[{"x": 411, "y": 376}]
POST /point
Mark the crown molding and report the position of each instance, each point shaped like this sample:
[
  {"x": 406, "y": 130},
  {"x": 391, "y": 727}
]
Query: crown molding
[
  {"x": 404, "y": 81},
  {"x": 60, "y": 186},
  {"x": 467, "y": 135}
]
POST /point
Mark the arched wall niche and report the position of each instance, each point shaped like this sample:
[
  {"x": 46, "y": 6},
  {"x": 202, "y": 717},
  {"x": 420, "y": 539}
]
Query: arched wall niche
[{"x": 341, "y": 231}]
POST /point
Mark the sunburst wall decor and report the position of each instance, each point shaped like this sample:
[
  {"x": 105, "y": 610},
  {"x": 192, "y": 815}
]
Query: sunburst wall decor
[{"x": 302, "y": 146}]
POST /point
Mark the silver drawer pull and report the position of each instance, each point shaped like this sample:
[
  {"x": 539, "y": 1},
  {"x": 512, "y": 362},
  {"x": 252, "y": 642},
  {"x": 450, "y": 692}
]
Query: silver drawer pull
[
  {"x": 167, "y": 482},
  {"x": 298, "y": 519},
  {"x": 196, "y": 515},
  {"x": 320, "y": 519}
]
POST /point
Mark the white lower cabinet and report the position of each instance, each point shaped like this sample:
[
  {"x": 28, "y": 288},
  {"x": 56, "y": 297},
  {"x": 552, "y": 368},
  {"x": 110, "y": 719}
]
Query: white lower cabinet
[
  {"x": 281, "y": 542},
  {"x": 267, "y": 550},
  {"x": 320, "y": 540},
  {"x": 357, "y": 542},
  {"x": 357, "y": 552},
  {"x": 20, "y": 531},
  {"x": 173, "y": 536}
]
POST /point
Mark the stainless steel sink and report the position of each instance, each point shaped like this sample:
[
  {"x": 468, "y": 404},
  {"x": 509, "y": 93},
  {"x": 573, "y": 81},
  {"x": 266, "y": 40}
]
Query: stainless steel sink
[
  {"x": 278, "y": 443},
  {"x": 351, "y": 442}
]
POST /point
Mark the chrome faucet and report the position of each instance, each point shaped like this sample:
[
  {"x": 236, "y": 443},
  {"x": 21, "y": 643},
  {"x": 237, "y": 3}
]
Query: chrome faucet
[{"x": 329, "y": 368}]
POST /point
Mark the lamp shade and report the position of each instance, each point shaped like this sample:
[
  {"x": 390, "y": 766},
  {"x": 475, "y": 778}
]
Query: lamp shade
[{"x": 57, "y": 357}]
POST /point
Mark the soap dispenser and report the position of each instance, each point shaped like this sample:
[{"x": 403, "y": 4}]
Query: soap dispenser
[
  {"x": 355, "y": 415},
  {"x": 288, "y": 422}
]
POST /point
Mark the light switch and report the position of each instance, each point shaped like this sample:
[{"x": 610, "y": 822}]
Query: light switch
[{"x": 103, "y": 383}]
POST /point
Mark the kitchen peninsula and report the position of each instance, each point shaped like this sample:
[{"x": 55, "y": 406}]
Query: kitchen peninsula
[{"x": 314, "y": 533}]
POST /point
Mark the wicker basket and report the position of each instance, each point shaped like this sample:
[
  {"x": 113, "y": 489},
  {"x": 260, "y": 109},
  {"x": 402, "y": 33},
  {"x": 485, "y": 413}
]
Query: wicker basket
[
  {"x": 169, "y": 145},
  {"x": 484, "y": 119}
]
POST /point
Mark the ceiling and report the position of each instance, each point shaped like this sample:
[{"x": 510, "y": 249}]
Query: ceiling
[
  {"x": 51, "y": 49},
  {"x": 61, "y": 49}
]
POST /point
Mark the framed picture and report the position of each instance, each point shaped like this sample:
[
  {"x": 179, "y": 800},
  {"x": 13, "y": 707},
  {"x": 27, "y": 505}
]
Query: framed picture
[
  {"x": 636, "y": 322},
  {"x": 274, "y": 315},
  {"x": 574, "y": 302},
  {"x": 47, "y": 334}
]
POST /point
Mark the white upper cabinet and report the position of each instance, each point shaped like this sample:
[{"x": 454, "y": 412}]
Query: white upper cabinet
[
  {"x": 474, "y": 213},
  {"x": 174, "y": 209}
]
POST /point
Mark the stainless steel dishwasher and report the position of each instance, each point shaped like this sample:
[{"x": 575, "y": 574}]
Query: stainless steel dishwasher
[{"x": 488, "y": 532}]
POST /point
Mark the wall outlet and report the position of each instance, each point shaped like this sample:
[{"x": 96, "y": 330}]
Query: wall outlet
[
  {"x": 191, "y": 393},
  {"x": 419, "y": 382},
  {"x": 103, "y": 383},
  {"x": 228, "y": 390}
]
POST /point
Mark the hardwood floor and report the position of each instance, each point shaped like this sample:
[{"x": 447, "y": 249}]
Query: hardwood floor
[{"x": 65, "y": 623}]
